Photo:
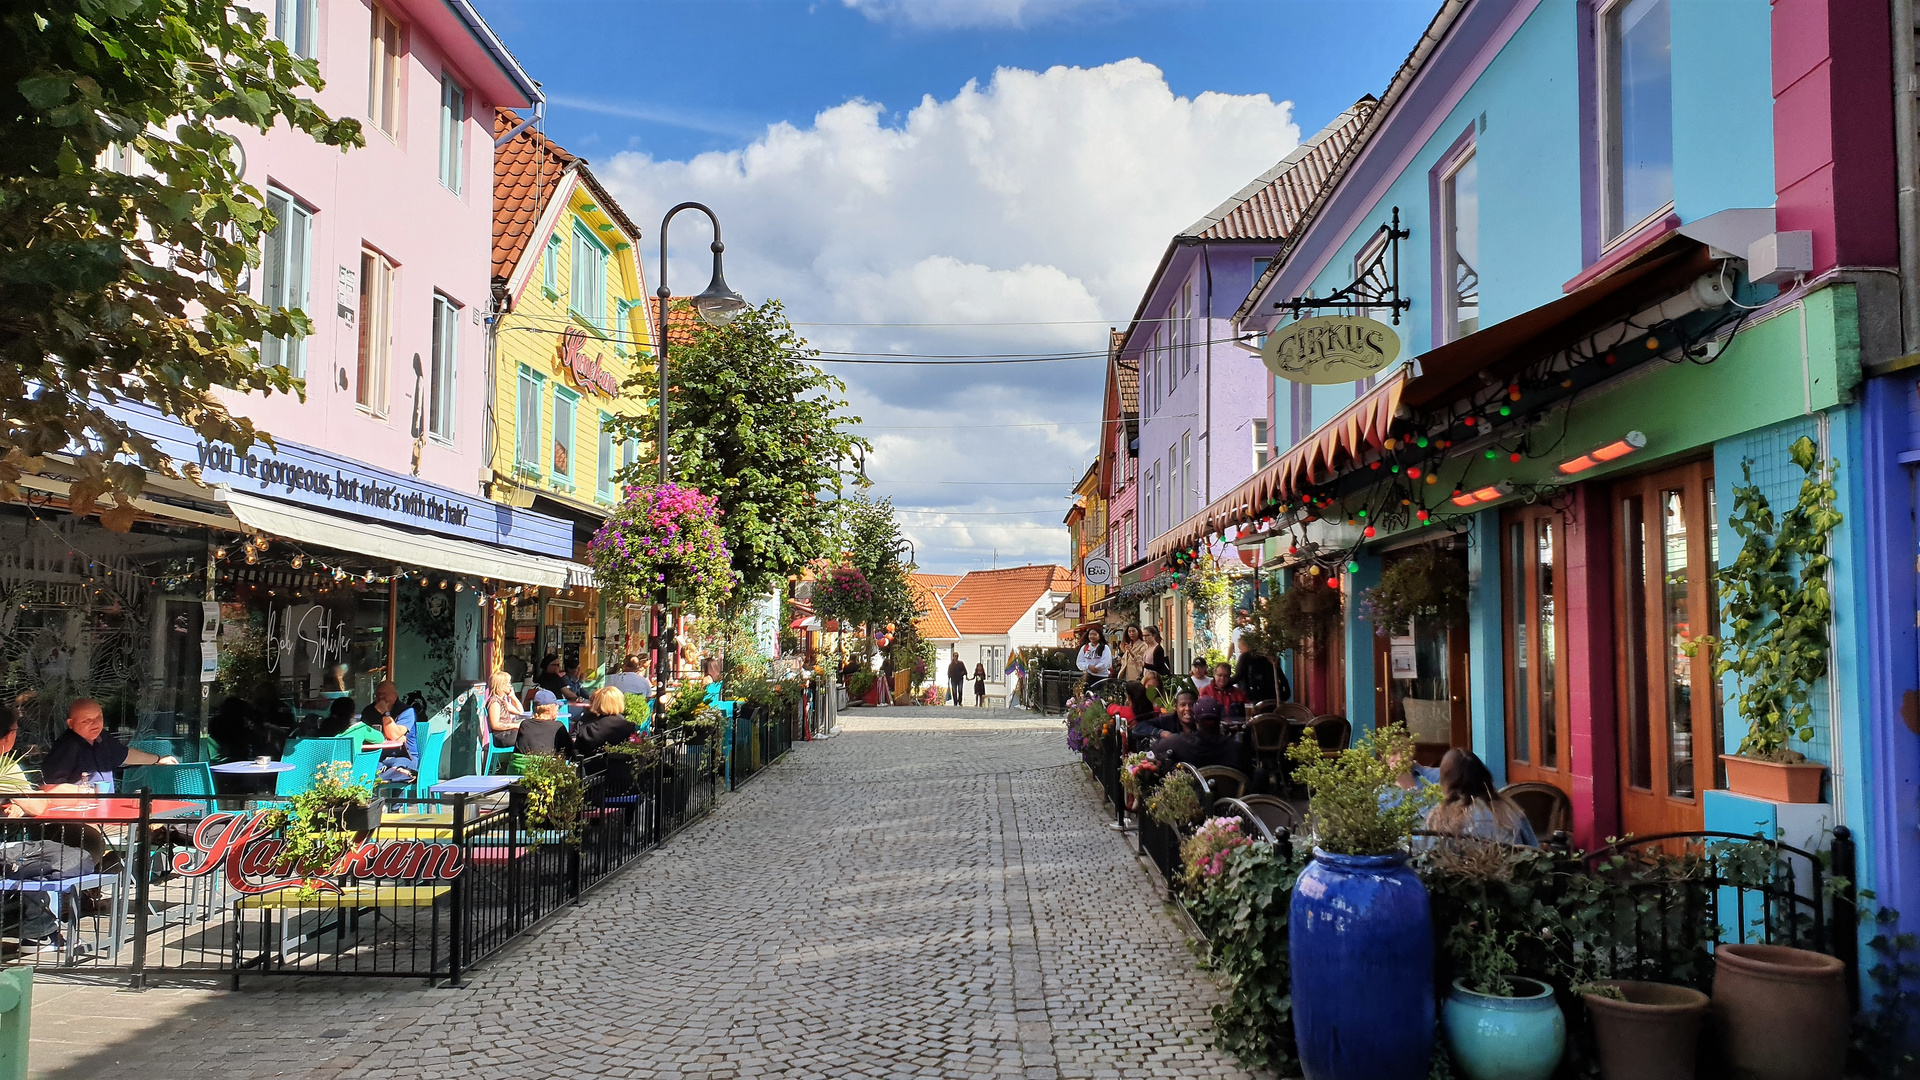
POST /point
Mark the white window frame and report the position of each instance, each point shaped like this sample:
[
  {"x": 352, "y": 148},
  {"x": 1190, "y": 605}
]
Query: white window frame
[
  {"x": 295, "y": 23},
  {"x": 1260, "y": 451},
  {"x": 453, "y": 132},
  {"x": 1606, "y": 85},
  {"x": 386, "y": 47},
  {"x": 443, "y": 370},
  {"x": 603, "y": 480},
  {"x": 1173, "y": 486},
  {"x": 550, "y": 267},
  {"x": 529, "y": 390},
  {"x": 1186, "y": 327},
  {"x": 587, "y": 296},
  {"x": 1189, "y": 499},
  {"x": 565, "y": 435},
  {"x": 1448, "y": 237},
  {"x": 286, "y": 274},
  {"x": 374, "y": 360}
]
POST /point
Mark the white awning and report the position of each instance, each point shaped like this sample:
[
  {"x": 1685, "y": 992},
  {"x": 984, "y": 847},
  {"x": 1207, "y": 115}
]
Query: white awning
[{"x": 299, "y": 524}]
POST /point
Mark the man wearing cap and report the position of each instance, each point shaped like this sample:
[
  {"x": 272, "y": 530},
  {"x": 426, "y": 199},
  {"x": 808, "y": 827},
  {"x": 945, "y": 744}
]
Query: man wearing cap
[
  {"x": 1206, "y": 744},
  {"x": 542, "y": 733}
]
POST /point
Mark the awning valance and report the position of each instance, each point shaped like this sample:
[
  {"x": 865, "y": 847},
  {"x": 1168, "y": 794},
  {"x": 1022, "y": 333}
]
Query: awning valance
[{"x": 301, "y": 525}]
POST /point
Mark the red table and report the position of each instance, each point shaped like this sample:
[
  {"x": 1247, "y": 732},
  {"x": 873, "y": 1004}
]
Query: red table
[{"x": 114, "y": 808}]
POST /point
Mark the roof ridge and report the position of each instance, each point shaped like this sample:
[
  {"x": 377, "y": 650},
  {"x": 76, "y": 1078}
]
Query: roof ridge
[{"x": 1280, "y": 169}]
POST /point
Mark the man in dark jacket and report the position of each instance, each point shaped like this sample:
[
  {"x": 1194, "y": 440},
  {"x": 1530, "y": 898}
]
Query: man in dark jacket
[
  {"x": 1206, "y": 744},
  {"x": 1255, "y": 675},
  {"x": 956, "y": 680}
]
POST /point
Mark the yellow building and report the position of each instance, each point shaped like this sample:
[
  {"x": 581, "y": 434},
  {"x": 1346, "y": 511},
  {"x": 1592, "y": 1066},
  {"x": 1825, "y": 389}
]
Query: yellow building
[
  {"x": 1087, "y": 528},
  {"x": 571, "y": 326}
]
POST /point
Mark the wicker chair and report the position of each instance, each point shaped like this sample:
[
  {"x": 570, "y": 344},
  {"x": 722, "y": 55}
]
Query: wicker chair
[
  {"x": 1548, "y": 809},
  {"x": 1272, "y": 810},
  {"x": 1333, "y": 733},
  {"x": 1224, "y": 782},
  {"x": 1293, "y": 712}
]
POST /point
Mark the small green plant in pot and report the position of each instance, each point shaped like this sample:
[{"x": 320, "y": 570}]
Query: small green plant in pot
[
  {"x": 322, "y": 824},
  {"x": 1359, "y": 926},
  {"x": 1499, "y": 1025},
  {"x": 1176, "y": 802},
  {"x": 556, "y": 794}
]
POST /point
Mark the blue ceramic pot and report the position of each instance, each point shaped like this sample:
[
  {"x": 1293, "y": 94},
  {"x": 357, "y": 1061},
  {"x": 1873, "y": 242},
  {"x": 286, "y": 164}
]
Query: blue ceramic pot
[
  {"x": 1505, "y": 1038},
  {"x": 1360, "y": 944}
]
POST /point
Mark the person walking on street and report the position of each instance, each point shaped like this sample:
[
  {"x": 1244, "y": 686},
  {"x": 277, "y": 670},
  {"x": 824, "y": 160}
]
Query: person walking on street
[
  {"x": 980, "y": 685},
  {"x": 956, "y": 680}
]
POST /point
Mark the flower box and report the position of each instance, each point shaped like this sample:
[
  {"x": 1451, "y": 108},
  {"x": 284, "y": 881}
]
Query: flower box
[{"x": 1775, "y": 782}]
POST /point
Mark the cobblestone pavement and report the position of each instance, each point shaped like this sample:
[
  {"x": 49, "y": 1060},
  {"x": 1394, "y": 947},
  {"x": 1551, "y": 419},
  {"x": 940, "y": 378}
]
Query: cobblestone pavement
[{"x": 932, "y": 893}]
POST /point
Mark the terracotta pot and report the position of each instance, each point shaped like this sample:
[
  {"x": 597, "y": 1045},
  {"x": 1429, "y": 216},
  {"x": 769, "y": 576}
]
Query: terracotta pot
[
  {"x": 1653, "y": 1035},
  {"x": 1773, "y": 781},
  {"x": 1781, "y": 1013}
]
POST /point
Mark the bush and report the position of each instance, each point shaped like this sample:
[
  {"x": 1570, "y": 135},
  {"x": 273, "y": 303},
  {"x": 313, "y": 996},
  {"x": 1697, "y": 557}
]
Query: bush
[
  {"x": 1245, "y": 919},
  {"x": 1349, "y": 802}
]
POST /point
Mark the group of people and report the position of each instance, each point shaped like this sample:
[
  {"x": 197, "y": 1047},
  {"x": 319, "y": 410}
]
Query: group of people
[
  {"x": 535, "y": 728},
  {"x": 957, "y": 681},
  {"x": 1140, "y": 658}
]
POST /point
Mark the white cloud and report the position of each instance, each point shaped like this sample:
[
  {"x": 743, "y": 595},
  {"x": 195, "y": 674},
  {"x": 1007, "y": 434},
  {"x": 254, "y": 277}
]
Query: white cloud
[
  {"x": 964, "y": 14},
  {"x": 1032, "y": 208}
]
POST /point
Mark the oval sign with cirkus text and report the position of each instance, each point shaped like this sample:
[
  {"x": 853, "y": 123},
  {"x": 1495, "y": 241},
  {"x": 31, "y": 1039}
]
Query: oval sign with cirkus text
[{"x": 1330, "y": 349}]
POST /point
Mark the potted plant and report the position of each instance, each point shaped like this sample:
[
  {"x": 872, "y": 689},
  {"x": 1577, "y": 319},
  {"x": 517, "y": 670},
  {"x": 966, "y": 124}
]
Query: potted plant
[
  {"x": 1781, "y": 1013},
  {"x": 1176, "y": 802},
  {"x": 325, "y": 822},
  {"x": 1204, "y": 855},
  {"x": 863, "y": 685},
  {"x": 1644, "y": 1030},
  {"x": 1360, "y": 930},
  {"x": 1139, "y": 774},
  {"x": 1775, "y": 605},
  {"x": 1286, "y": 618},
  {"x": 1499, "y": 1025},
  {"x": 556, "y": 795}
]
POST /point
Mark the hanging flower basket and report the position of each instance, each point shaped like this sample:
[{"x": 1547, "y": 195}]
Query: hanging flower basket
[{"x": 664, "y": 536}]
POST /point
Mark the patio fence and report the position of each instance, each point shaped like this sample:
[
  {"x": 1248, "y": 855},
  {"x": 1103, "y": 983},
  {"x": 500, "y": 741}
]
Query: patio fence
[{"x": 438, "y": 886}]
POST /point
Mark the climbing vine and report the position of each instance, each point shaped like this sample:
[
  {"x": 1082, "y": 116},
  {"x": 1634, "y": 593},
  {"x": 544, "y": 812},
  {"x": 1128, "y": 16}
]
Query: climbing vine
[{"x": 1776, "y": 606}]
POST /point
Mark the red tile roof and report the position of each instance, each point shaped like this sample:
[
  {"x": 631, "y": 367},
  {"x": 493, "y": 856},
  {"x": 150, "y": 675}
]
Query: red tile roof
[
  {"x": 993, "y": 601},
  {"x": 526, "y": 173},
  {"x": 1272, "y": 206},
  {"x": 935, "y": 624}
]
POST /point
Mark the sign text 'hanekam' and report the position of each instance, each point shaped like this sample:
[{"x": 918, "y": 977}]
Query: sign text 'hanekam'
[
  {"x": 254, "y": 858},
  {"x": 1330, "y": 349},
  {"x": 589, "y": 372}
]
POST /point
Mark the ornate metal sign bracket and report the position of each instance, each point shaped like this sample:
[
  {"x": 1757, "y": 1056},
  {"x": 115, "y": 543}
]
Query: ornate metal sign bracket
[{"x": 1376, "y": 285}]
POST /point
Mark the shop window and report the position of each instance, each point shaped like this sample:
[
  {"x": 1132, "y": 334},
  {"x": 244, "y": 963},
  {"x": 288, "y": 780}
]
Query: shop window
[
  {"x": 1260, "y": 450},
  {"x": 565, "y": 420},
  {"x": 526, "y": 453},
  {"x": 376, "y": 331},
  {"x": 453, "y": 131},
  {"x": 1533, "y": 559},
  {"x": 1459, "y": 236},
  {"x": 446, "y": 353},
  {"x": 1636, "y": 113},
  {"x": 284, "y": 272},
  {"x": 383, "y": 74},
  {"x": 1670, "y": 706},
  {"x": 588, "y": 297},
  {"x": 293, "y": 24}
]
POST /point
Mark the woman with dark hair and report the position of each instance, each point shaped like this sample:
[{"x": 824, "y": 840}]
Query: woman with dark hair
[
  {"x": 1144, "y": 722},
  {"x": 1130, "y": 657},
  {"x": 1156, "y": 656},
  {"x": 1096, "y": 656},
  {"x": 1473, "y": 807},
  {"x": 980, "y": 685}
]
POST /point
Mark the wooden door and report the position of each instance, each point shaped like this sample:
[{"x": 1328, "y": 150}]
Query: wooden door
[
  {"x": 1666, "y": 547},
  {"x": 1533, "y": 561},
  {"x": 1432, "y": 701}
]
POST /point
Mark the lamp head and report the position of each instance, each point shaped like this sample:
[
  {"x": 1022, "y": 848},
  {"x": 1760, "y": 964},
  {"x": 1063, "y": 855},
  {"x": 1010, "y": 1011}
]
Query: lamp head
[{"x": 719, "y": 305}]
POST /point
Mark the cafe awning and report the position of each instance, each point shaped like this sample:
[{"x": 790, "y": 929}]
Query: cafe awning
[{"x": 407, "y": 549}]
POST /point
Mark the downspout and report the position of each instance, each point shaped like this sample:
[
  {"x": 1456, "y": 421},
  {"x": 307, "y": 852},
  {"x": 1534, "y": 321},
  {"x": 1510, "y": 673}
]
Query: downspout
[
  {"x": 1907, "y": 163},
  {"x": 539, "y": 113},
  {"x": 1206, "y": 413}
]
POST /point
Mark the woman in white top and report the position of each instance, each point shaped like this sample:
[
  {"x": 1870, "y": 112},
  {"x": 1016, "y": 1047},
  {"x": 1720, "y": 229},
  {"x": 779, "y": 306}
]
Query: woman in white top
[
  {"x": 504, "y": 711},
  {"x": 1096, "y": 656}
]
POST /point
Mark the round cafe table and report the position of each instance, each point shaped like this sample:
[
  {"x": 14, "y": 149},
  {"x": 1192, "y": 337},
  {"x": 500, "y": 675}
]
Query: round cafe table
[
  {"x": 252, "y": 768},
  {"x": 114, "y": 808}
]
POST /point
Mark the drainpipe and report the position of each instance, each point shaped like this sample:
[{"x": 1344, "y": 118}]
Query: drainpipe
[
  {"x": 539, "y": 114},
  {"x": 1206, "y": 412},
  {"x": 1906, "y": 73}
]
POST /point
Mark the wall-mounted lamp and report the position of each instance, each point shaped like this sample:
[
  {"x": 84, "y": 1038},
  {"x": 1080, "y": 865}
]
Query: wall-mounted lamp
[{"x": 1618, "y": 448}]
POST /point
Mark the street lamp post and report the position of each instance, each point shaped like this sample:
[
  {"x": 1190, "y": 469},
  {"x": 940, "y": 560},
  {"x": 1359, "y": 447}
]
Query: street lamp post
[{"x": 717, "y": 306}]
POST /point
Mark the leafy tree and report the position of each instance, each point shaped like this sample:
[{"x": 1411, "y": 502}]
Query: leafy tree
[
  {"x": 757, "y": 425},
  {"x": 871, "y": 543},
  {"x": 125, "y": 285}
]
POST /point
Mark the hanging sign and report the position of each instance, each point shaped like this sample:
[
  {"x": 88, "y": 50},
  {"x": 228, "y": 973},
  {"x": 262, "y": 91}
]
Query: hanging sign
[
  {"x": 1330, "y": 349},
  {"x": 246, "y": 846},
  {"x": 1098, "y": 570},
  {"x": 588, "y": 372}
]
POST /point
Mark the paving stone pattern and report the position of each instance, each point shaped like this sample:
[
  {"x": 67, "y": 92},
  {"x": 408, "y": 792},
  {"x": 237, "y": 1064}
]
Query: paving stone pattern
[{"x": 930, "y": 894}]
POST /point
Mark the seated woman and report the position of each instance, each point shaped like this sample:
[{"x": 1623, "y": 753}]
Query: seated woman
[
  {"x": 1473, "y": 807},
  {"x": 1144, "y": 722},
  {"x": 542, "y": 734},
  {"x": 504, "y": 711},
  {"x": 604, "y": 723}
]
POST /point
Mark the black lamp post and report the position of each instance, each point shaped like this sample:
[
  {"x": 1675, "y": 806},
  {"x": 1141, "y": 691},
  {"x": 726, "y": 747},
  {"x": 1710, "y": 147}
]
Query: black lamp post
[{"x": 717, "y": 306}]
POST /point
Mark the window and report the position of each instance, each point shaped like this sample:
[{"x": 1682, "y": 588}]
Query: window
[
  {"x": 1538, "y": 713},
  {"x": 565, "y": 408},
  {"x": 293, "y": 24},
  {"x": 1260, "y": 451},
  {"x": 1040, "y": 621},
  {"x": 526, "y": 443},
  {"x": 1189, "y": 503},
  {"x": 550, "y": 268},
  {"x": 1171, "y": 348},
  {"x": 446, "y": 360},
  {"x": 1173, "y": 486},
  {"x": 604, "y": 475},
  {"x": 995, "y": 658},
  {"x": 284, "y": 274},
  {"x": 629, "y": 452},
  {"x": 1636, "y": 113},
  {"x": 383, "y": 74},
  {"x": 1186, "y": 328},
  {"x": 1260, "y": 268},
  {"x": 453, "y": 131},
  {"x": 376, "y": 331},
  {"x": 588, "y": 298},
  {"x": 1460, "y": 246}
]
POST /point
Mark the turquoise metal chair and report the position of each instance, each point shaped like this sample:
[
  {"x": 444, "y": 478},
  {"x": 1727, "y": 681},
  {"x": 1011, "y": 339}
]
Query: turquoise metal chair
[
  {"x": 190, "y": 778},
  {"x": 307, "y": 755},
  {"x": 159, "y": 746},
  {"x": 433, "y": 748}
]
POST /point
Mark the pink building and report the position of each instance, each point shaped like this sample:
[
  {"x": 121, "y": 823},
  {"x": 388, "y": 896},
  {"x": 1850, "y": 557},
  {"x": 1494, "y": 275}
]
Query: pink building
[{"x": 387, "y": 248}]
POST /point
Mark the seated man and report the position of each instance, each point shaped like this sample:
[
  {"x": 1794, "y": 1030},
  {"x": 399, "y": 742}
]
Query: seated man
[
  {"x": 1223, "y": 689},
  {"x": 1206, "y": 744},
  {"x": 629, "y": 680},
  {"x": 85, "y": 752},
  {"x": 403, "y": 764}
]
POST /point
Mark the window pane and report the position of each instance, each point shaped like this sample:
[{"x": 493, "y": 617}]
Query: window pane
[
  {"x": 1463, "y": 213},
  {"x": 605, "y": 470},
  {"x": 363, "y": 375},
  {"x": 1712, "y": 598},
  {"x": 273, "y": 273},
  {"x": 446, "y": 329},
  {"x": 1633, "y": 540},
  {"x": 1641, "y": 100},
  {"x": 1517, "y": 604},
  {"x": 453, "y": 108},
  {"x": 527, "y": 426},
  {"x": 1543, "y": 571},
  {"x": 563, "y": 423},
  {"x": 1679, "y": 666}
]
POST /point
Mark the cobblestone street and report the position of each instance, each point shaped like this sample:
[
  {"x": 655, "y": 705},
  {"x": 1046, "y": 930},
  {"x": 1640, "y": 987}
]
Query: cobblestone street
[{"x": 933, "y": 893}]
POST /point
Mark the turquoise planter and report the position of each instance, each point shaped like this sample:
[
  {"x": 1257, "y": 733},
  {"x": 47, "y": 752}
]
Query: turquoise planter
[{"x": 1505, "y": 1038}]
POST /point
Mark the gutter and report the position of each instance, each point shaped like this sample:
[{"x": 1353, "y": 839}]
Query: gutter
[{"x": 477, "y": 26}]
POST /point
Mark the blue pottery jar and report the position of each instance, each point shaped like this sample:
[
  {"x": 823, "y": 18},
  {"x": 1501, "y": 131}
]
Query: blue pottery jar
[
  {"x": 1505, "y": 1038},
  {"x": 1360, "y": 944}
]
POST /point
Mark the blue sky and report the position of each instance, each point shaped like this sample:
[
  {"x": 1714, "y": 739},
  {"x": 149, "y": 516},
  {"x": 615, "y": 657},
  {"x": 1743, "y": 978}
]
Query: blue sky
[{"x": 950, "y": 177}]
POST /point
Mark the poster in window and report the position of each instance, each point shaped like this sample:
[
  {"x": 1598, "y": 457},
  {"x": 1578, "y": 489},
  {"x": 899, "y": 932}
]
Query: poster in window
[{"x": 1402, "y": 662}]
